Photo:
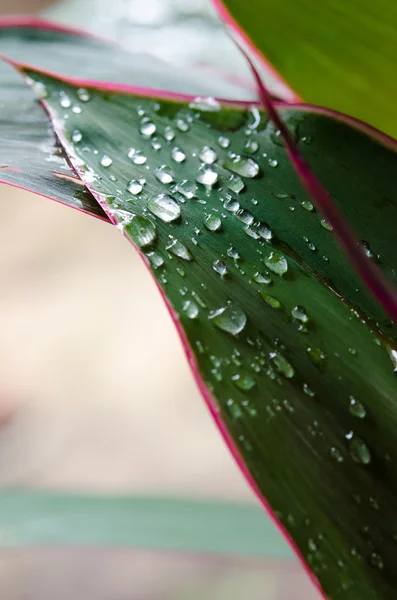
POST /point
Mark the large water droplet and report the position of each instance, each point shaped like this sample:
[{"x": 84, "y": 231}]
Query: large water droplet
[
  {"x": 137, "y": 157},
  {"x": 208, "y": 155},
  {"x": 106, "y": 161},
  {"x": 277, "y": 263},
  {"x": 231, "y": 205},
  {"x": 178, "y": 155},
  {"x": 241, "y": 165},
  {"x": 245, "y": 216},
  {"x": 212, "y": 222},
  {"x": 235, "y": 184},
  {"x": 207, "y": 176},
  {"x": 356, "y": 408},
  {"x": 135, "y": 187},
  {"x": 156, "y": 260},
  {"x": 191, "y": 309},
  {"x": 230, "y": 318},
  {"x": 178, "y": 249},
  {"x": 264, "y": 231},
  {"x": 358, "y": 449},
  {"x": 164, "y": 207},
  {"x": 326, "y": 225},
  {"x": 164, "y": 174},
  {"x": 142, "y": 231},
  {"x": 148, "y": 128},
  {"x": 220, "y": 267},
  {"x": 244, "y": 380}
]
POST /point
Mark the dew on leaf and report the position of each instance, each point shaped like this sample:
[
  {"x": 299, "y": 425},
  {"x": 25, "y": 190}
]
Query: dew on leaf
[
  {"x": 299, "y": 313},
  {"x": 356, "y": 408},
  {"x": 234, "y": 409},
  {"x": 178, "y": 249},
  {"x": 148, "y": 128},
  {"x": 277, "y": 138},
  {"x": 376, "y": 560},
  {"x": 156, "y": 260},
  {"x": 230, "y": 318},
  {"x": 272, "y": 162},
  {"x": 282, "y": 364},
  {"x": 207, "y": 176},
  {"x": 190, "y": 309},
  {"x": 187, "y": 188},
  {"x": 317, "y": 356},
  {"x": 207, "y": 155},
  {"x": 262, "y": 279},
  {"x": 264, "y": 231},
  {"x": 106, "y": 161},
  {"x": 223, "y": 141},
  {"x": 220, "y": 267},
  {"x": 358, "y": 449},
  {"x": 182, "y": 125},
  {"x": 251, "y": 147},
  {"x": 326, "y": 225},
  {"x": 245, "y": 216},
  {"x": 231, "y": 205},
  {"x": 64, "y": 100},
  {"x": 241, "y": 165},
  {"x": 336, "y": 454},
  {"x": 83, "y": 95},
  {"x": 251, "y": 232},
  {"x": 156, "y": 145},
  {"x": 244, "y": 380},
  {"x": 232, "y": 252},
  {"x": 77, "y": 136},
  {"x": 367, "y": 249},
  {"x": 307, "y": 205},
  {"x": 137, "y": 156},
  {"x": 307, "y": 390},
  {"x": 169, "y": 133},
  {"x": 205, "y": 104},
  {"x": 235, "y": 184},
  {"x": 142, "y": 231},
  {"x": 134, "y": 187},
  {"x": 164, "y": 207},
  {"x": 212, "y": 222},
  {"x": 277, "y": 263},
  {"x": 271, "y": 300},
  {"x": 178, "y": 155}
]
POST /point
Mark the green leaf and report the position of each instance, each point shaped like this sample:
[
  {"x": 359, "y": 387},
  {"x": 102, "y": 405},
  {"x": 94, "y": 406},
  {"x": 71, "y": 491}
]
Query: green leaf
[
  {"x": 29, "y": 518},
  {"x": 335, "y": 53},
  {"x": 296, "y": 361},
  {"x": 32, "y": 158}
]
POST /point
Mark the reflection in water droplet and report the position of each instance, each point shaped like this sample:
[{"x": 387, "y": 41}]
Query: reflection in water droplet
[
  {"x": 212, "y": 222},
  {"x": 137, "y": 157},
  {"x": 164, "y": 207},
  {"x": 142, "y": 231},
  {"x": 208, "y": 155},
  {"x": 191, "y": 309},
  {"x": 178, "y": 249},
  {"x": 220, "y": 267},
  {"x": 224, "y": 142},
  {"x": 244, "y": 381},
  {"x": 106, "y": 161},
  {"x": 246, "y": 167},
  {"x": 235, "y": 184},
  {"x": 135, "y": 187},
  {"x": 356, "y": 408},
  {"x": 164, "y": 174},
  {"x": 358, "y": 449},
  {"x": 178, "y": 155},
  {"x": 229, "y": 318},
  {"x": 207, "y": 176},
  {"x": 277, "y": 263}
]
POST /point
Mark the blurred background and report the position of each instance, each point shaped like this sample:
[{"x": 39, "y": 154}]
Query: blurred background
[{"x": 108, "y": 405}]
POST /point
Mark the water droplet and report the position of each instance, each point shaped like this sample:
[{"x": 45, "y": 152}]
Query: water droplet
[
  {"x": 277, "y": 138},
  {"x": 307, "y": 205},
  {"x": 244, "y": 381},
  {"x": 356, "y": 408},
  {"x": 164, "y": 207},
  {"x": 246, "y": 167},
  {"x": 326, "y": 225},
  {"x": 264, "y": 231},
  {"x": 251, "y": 147},
  {"x": 251, "y": 232},
  {"x": 245, "y": 216},
  {"x": 178, "y": 249},
  {"x": 358, "y": 449},
  {"x": 271, "y": 300},
  {"x": 233, "y": 253},
  {"x": 234, "y": 409},
  {"x": 235, "y": 184},
  {"x": 272, "y": 162},
  {"x": 164, "y": 174},
  {"x": 156, "y": 260},
  {"x": 376, "y": 560},
  {"x": 83, "y": 95},
  {"x": 220, "y": 267},
  {"x": 336, "y": 454},
  {"x": 277, "y": 263},
  {"x": 282, "y": 364},
  {"x": 231, "y": 205},
  {"x": 367, "y": 249},
  {"x": 135, "y": 187},
  {"x": 156, "y": 145},
  {"x": 148, "y": 128},
  {"x": 307, "y": 390},
  {"x": 208, "y": 155},
  {"x": 39, "y": 88},
  {"x": 187, "y": 188},
  {"x": 229, "y": 318},
  {"x": 317, "y": 356},
  {"x": 64, "y": 101},
  {"x": 169, "y": 133},
  {"x": 262, "y": 279},
  {"x": 137, "y": 157},
  {"x": 299, "y": 313},
  {"x": 77, "y": 136},
  {"x": 207, "y": 104},
  {"x": 224, "y": 142},
  {"x": 178, "y": 155},
  {"x": 106, "y": 161},
  {"x": 182, "y": 125},
  {"x": 212, "y": 222},
  {"x": 207, "y": 176},
  {"x": 191, "y": 309},
  {"x": 142, "y": 231}
]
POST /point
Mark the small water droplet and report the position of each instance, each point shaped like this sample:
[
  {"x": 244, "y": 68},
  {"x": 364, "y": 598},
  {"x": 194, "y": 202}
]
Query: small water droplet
[
  {"x": 277, "y": 263},
  {"x": 317, "y": 356},
  {"x": 212, "y": 222},
  {"x": 208, "y": 155},
  {"x": 39, "y": 88},
  {"x": 244, "y": 380},
  {"x": 367, "y": 249},
  {"x": 77, "y": 136},
  {"x": 241, "y": 165},
  {"x": 187, "y": 188},
  {"x": 135, "y": 187},
  {"x": 272, "y": 162},
  {"x": 207, "y": 176},
  {"x": 64, "y": 101},
  {"x": 307, "y": 390},
  {"x": 356, "y": 408},
  {"x": 83, "y": 95},
  {"x": 164, "y": 174},
  {"x": 251, "y": 147},
  {"x": 264, "y": 231},
  {"x": 262, "y": 279},
  {"x": 277, "y": 138},
  {"x": 358, "y": 449},
  {"x": 231, "y": 205},
  {"x": 307, "y": 205},
  {"x": 148, "y": 128},
  {"x": 156, "y": 260},
  {"x": 169, "y": 133},
  {"x": 336, "y": 454},
  {"x": 299, "y": 313},
  {"x": 223, "y": 141},
  {"x": 178, "y": 249},
  {"x": 156, "y": 145},
  {"x": 142, "y": 231},
  {"x": 282, "y": 364},
  {"x": 245, "y": 216},
  {"x": 229, "y": 318},
  {"x": 76, "y": 110},
  {"x": 182, "y": 125},
  {"x": 220, "y": 267},
  {"x": 376, "y": 560},
  {"x": 233, "y": 253},
  {"x": 106, "y": 161},
  {"x": 137, "y": 157},
  {"x": 271, "y": 300},
  {"x": 191, "y": 309},
  {"x": 326, "y": 225},
  {"x": 164, "y": 207},
  {"x": 178, "y": 155},
  {"x": 235, "y": 184}
]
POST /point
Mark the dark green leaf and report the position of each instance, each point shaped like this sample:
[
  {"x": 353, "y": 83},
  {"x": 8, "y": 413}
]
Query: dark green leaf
[
  {"x": 292, "y": 355},
  {"x": 335, "y": 53}
]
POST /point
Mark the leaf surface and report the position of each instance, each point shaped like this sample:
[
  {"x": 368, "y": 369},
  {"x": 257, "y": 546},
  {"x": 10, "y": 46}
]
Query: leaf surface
[
  {"x": 334, "y": 53},
  {"x": 295, "y": 359}
]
